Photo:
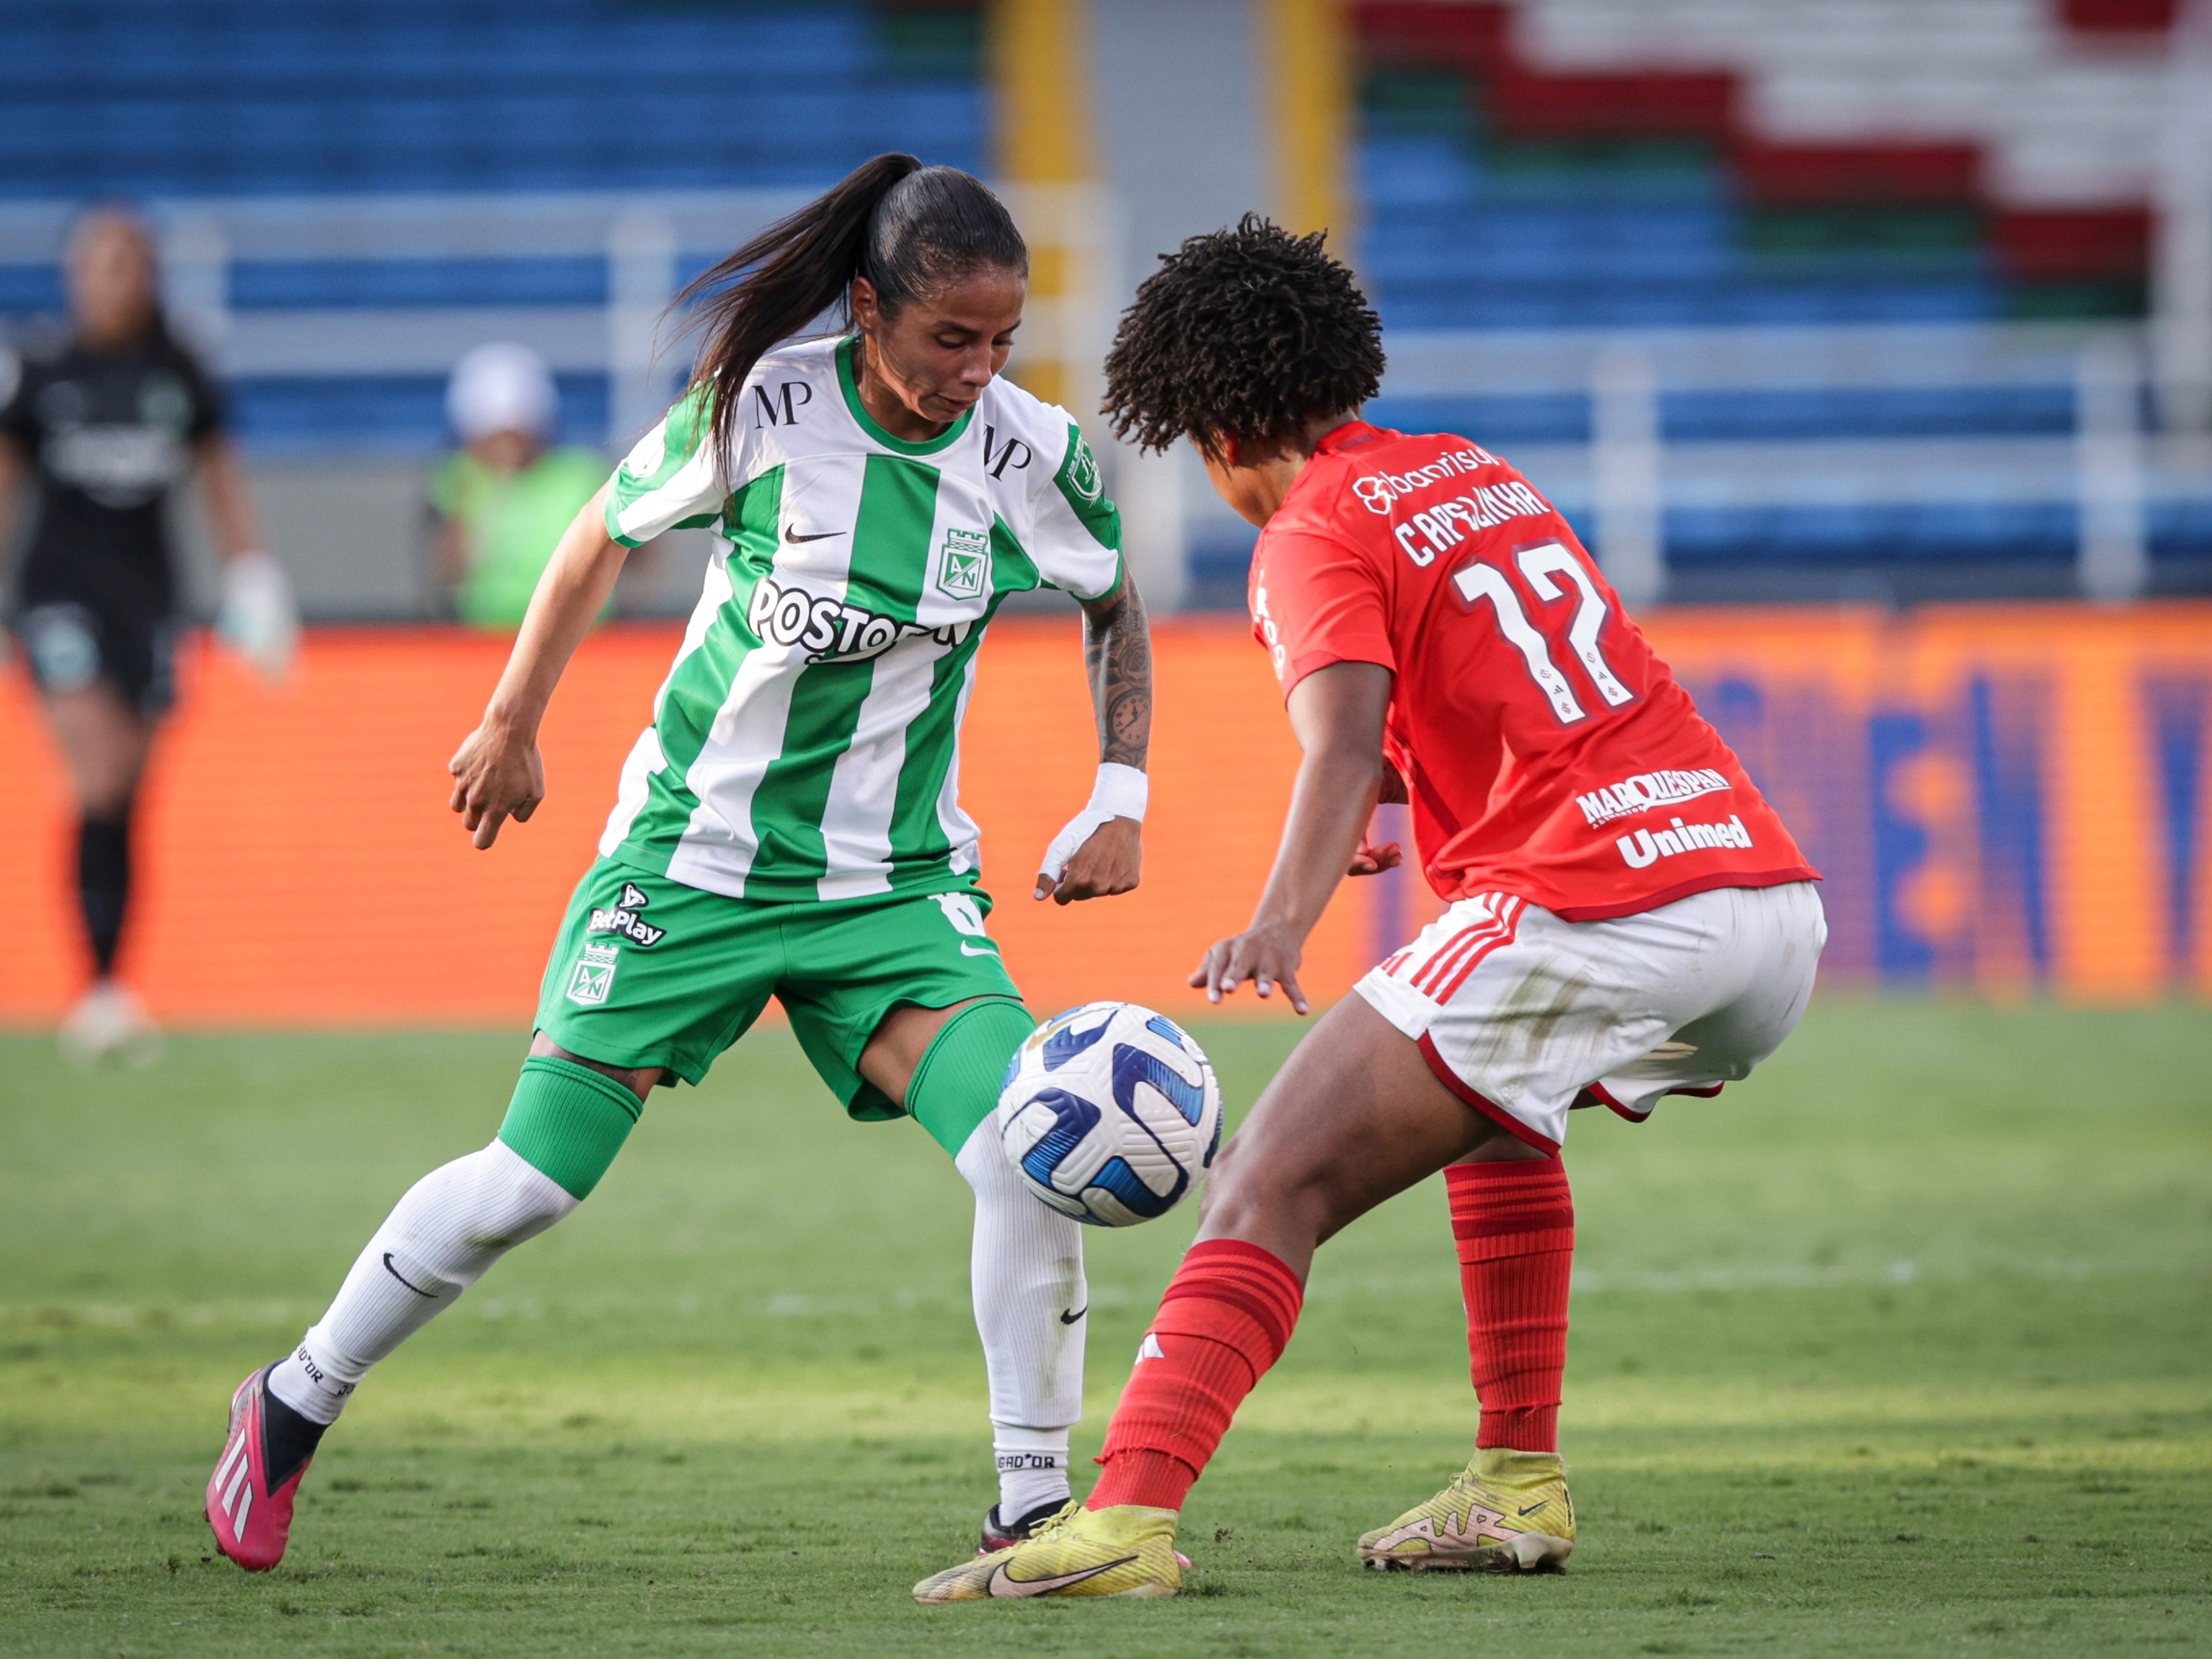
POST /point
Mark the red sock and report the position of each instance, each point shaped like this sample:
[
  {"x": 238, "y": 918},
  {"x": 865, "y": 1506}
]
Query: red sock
[
  {"x": 1225, "y": 1318},
  {"x": 1514, "y": 1222}
]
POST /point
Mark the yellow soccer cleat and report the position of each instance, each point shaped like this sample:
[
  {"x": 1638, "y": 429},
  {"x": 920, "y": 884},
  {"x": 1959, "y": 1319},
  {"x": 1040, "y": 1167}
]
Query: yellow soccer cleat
[
  {"x": 1506, "y": 1511},
  {"x": 1127, "y": 1550}
]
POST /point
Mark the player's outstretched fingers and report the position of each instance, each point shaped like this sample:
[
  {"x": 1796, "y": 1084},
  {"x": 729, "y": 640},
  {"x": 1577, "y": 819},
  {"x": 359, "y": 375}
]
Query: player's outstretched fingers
[
  {"x": 1269, "y": 975},
  {"x": 1207, "y": 974},
  {"x": 1268, "y": 955}
]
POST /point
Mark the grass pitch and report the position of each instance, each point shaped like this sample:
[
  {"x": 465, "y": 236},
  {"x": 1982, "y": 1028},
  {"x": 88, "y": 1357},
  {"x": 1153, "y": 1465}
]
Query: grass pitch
[{"x": 1903, "y": 1347}]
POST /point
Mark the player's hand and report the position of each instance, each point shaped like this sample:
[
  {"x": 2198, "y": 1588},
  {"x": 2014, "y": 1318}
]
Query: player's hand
[
  {"x": 1268, "y": 955},
  {"x": 259, "y": 619},
  {"x": 1106, "y": 863},
  {"x": 1372, "y": 859},
  {"x": 497, "y": 774}
]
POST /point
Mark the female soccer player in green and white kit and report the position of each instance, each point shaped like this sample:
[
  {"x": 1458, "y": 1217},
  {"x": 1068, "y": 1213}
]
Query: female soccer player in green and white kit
[{"x": 788, "y": 825}]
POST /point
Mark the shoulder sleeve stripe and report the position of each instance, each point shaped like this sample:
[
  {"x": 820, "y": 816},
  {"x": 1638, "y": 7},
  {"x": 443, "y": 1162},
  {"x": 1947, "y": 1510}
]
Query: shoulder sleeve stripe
[
  {"x": 1078, "y": 531},
  {"x": 671, "y": 478},
  {"x": 1080, "y": 486}
]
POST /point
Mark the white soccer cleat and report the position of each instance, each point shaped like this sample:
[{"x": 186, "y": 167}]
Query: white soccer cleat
[{"x": 110, "y": 1023}]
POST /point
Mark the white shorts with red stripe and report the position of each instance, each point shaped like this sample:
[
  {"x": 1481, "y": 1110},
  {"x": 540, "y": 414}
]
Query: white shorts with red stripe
[{"x": 1518, "y": 1013}]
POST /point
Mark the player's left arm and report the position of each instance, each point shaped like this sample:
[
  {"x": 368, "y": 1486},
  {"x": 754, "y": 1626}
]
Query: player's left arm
[
  {"x": 1117, "y": 653},
  {"x": 1336, "y": 714},
  {"x": 258, "y": 616},
  {"x": 229, "y": 502}
]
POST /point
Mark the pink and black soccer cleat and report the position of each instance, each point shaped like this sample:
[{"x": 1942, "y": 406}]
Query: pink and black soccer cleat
[
  {"x": 251, "y": 1518},
  {"x": 1000, "y": 1535}
]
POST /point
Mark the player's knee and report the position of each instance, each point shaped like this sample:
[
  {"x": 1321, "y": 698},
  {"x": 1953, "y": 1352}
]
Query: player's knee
[
  {"x": 567, "y": 1120},
  {"x": 956, "y": 1082},
  {"x": 463, "y": 1216},
  {"x": 519, "y": 1201},
  {"x": 1254, "y": 1186}
]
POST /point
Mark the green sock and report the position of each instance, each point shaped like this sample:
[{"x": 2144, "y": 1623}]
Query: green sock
[
  {"x": 957, "y": 1085},
  {"x": 568, "y": 1121}
]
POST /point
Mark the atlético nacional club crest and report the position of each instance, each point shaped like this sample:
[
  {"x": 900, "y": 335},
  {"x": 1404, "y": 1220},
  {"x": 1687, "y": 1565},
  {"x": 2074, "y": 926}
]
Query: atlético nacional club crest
[
  {"x": 964, "y": 564},
  {"x": 594, "y": 980},
  {"x": 1082, "y": 470}
]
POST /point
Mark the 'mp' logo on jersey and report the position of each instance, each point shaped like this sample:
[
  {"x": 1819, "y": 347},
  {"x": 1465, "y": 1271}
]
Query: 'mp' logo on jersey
[{"x": 964, "y": 564}]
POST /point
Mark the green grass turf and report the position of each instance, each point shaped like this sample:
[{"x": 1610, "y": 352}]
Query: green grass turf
[{"x": 1903, "y": 1347}]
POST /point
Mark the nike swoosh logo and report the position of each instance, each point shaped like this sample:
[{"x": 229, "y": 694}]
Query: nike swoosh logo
[
  {"x": 791, "y": 535},
  {"x": 1070, "y": 1318},
  {"x": 1003, "y": 1584},
  {"x": 1531, "y": 1509},
  {"x": 427, "y": 1296},
  {"x": 977, "y": 951}
]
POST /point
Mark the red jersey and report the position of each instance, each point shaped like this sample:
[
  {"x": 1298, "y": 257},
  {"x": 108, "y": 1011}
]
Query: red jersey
[{"x": 1547, "y": 751}]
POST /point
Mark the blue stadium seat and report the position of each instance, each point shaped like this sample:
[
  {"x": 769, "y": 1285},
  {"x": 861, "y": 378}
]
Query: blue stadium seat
[{"x": 119, "y": 97}]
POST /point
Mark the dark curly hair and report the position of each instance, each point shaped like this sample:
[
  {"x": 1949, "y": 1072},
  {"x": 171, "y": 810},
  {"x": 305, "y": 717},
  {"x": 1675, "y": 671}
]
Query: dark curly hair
[{"x": 1251, "y": 333}]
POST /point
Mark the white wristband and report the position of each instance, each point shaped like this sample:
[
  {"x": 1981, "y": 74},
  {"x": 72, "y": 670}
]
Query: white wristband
[{"x": 1121, "y": 792}]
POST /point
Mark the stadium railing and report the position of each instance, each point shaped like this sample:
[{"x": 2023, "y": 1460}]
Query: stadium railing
[
  {"x": 649, "y": 242},
  {"x": 1676, "y": 505},
  {"x": 2107, "y": 478}
]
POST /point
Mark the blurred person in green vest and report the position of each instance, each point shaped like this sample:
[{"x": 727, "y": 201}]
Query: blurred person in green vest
[{"x": 500, "y": 502}]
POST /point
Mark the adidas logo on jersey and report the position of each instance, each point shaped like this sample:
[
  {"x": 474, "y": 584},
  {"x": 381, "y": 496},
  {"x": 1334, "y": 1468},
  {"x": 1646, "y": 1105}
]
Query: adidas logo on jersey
[
  {"x": 830, "y": 629},
  {"x": 1647, "y": 790},
  {"x": 1645, "y": 849}
]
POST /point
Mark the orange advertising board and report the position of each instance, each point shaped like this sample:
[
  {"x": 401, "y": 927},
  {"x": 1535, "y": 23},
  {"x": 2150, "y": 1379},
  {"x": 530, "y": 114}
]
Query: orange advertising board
[{"x": 2001, "y": 797}]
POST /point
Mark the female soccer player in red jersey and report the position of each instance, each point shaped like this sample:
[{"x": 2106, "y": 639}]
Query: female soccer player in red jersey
[{"x": 1627, "y": 918}]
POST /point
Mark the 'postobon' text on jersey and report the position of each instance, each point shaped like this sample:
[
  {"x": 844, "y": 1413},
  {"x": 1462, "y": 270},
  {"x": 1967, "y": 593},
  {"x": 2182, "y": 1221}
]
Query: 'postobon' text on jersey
[{"x": 806, "y": 742}]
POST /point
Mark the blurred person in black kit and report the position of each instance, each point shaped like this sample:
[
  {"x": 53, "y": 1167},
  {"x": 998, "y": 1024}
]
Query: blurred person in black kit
[{"x": 107, "y": 417}]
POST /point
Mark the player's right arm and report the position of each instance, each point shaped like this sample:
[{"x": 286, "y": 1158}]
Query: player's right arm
[
  {"x": 497, "y": 771},
  {"x": 670, "y": 480},
  {"x": 1336, "y": 714}
]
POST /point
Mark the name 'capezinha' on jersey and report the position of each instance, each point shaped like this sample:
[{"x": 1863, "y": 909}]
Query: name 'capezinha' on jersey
[
  {"x": 806, "y": 743},
  {"x": 1548, "y": 750}
]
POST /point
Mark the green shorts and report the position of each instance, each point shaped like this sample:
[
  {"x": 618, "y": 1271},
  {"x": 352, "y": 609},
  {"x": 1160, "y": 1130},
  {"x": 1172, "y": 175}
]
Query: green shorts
[{"x": 649, "y": 972}]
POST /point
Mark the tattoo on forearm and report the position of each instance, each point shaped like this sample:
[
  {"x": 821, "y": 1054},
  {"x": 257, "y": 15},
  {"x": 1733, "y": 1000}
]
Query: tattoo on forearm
[{"x": 1117, "y": 650}]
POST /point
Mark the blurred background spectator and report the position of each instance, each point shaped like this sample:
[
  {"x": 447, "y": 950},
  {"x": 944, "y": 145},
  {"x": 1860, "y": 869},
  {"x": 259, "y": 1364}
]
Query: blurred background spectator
[{"x": 500, "y": 502}]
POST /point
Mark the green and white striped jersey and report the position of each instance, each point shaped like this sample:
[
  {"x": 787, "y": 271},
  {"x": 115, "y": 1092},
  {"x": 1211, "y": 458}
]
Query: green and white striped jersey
[{"x": 806, "y": 742}]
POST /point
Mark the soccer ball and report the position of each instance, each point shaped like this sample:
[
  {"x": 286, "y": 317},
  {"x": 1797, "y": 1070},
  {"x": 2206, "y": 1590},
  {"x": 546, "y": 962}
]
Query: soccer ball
[{"x": 1111, "y": 1114}]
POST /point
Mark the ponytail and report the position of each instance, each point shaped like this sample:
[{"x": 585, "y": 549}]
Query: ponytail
[{"x": 907, "y": 228}]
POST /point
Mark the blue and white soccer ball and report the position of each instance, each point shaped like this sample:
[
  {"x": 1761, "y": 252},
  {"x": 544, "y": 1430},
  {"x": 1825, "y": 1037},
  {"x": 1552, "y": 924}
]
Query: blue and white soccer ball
[{"x": 1111, "y": 1114}]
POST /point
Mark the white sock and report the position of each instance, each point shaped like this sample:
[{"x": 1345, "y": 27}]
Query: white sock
[
  {"x": 1026, "y": 1275},
  {"x": 1032, "y": 1469},
  {"x": 439, "y": 1239}
]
